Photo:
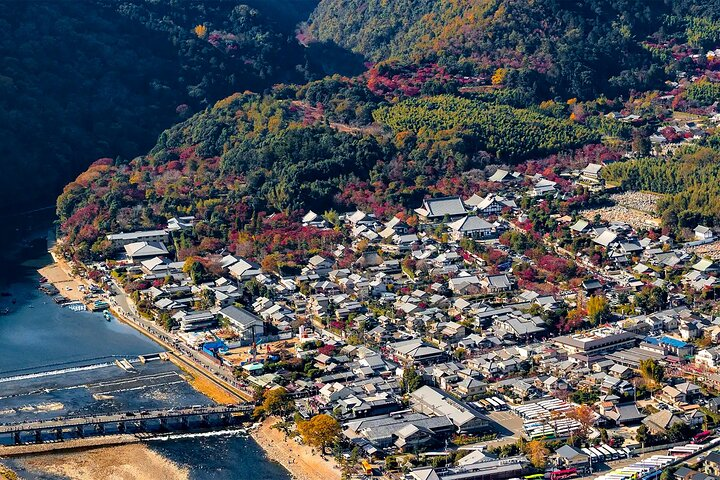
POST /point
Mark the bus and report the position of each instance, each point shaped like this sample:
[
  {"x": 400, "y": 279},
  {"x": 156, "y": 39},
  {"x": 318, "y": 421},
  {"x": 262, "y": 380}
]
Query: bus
[
  {"x": 629, "y": 474},
  {"x": 690, "y": 448},
  {"x": 702, "y": 436},
  {"x": 593, "y": 457},
  {"x": 598, "y": 453},
  {"x": 537, "y": 476},
  {"x": 614, "y": 453},
  {"x": 680, "y": 452},
  {"x": 605, "y": 451},
  {"x": 367, "y": 467},
  {"x": 502, "y": 404},
  {"x": 563, "y": 474}
]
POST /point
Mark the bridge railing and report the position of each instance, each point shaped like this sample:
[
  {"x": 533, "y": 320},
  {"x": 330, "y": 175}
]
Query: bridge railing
[{"x": 128, "y": 416}]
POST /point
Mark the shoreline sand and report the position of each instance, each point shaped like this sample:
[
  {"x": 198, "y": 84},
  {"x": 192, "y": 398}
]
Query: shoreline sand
[
  {"x": 302, "y": 461},
  {"x": 123, "y": 462},
  {"x": 62, "y": 280},
  {"x": 78, "y": 444}
]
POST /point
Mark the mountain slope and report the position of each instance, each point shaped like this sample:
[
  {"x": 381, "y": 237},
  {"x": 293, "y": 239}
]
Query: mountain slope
[
  {"x": 575, "y": 48},
  {"x": 87, "y": 79}
]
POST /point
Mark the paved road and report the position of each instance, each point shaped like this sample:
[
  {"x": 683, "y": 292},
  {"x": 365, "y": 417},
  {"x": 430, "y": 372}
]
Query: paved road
[{"x": 200, "y": 360}]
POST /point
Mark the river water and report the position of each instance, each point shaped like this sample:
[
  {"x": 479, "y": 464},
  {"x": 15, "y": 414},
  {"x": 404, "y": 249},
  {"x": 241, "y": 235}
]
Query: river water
[{"x": 56, "y": 362}]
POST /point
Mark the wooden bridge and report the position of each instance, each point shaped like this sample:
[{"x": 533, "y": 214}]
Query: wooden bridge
[{"x": 122, "y": 422}]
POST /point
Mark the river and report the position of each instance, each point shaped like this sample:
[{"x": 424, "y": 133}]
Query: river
[{"x": 56, "y": 362}]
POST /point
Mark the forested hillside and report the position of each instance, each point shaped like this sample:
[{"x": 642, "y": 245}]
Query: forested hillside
[
  {"x": 549, "y": 47},
  {"x": 690, "y": 179},
  {"x": 509, "y": 133},
  {"x": 102, "y": 78},
  {"x": 459, "y": 87},
  {"x": 296, "y": 148}
]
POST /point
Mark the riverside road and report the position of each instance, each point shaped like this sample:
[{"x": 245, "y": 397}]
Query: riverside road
[{"x": 221, "y": 375}]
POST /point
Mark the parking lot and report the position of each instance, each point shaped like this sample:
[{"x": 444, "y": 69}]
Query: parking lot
[{"x": 509, "y": 426}]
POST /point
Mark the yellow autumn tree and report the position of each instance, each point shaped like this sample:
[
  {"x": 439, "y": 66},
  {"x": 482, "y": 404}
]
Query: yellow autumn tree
[
  {"x": 320, "y": 431},
  {"x": 537, "y": 453},
  {"x": 598, "y": 309},
  {"x": 499, "y": 76},
  {"x": 200, "y": 31}
]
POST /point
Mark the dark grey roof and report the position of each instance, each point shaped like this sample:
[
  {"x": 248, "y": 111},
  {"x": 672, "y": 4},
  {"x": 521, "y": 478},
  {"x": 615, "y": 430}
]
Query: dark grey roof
[
  {"x": 569, "y": 452},
  {"x": 241, "y": 316},
  {"x": 439, "y": 207}
]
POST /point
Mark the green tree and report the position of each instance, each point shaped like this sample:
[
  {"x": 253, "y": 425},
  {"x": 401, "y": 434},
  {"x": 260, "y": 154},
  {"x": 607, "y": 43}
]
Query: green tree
[
  {"x": 195, "y": 270},
  {"x": 166, "y": 321},
  {"x": 678, "y": 432},
  {"x": 652, "y": 371},
  {"x": 277, "y": 402},
  {"x": 643, "y": 436},
  {"x": 332, "y": 217},
  {"x": 651, "y": 300},
  {"x": 668, "y": 473},
  {"x": 411, "y": 380},
  {"x": 641, "y": 144},
  {"x": 598, "y": 309}
]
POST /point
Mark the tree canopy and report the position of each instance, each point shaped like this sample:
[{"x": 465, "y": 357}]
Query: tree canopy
[{"x": 320, "y": 431}]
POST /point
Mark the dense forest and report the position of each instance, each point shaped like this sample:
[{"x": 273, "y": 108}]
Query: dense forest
[
  {"x": 507, "y": 132},
  {"x": 84, "y": 79},
  {"x": 287, "y": 151},
  {"x": 551, "y": 47}
]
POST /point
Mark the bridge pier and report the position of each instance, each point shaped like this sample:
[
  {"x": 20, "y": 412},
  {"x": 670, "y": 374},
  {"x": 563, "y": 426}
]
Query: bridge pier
[{"x": 173, "y": 419}]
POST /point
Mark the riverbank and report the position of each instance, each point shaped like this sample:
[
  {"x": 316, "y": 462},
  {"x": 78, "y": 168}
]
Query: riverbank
[
  {"x": 74, "y": 444},
  {"x": 65, "y": 282},
  {"x": 60, "y": 274},
  {"x": 199, "y": 381},
  {"x": 39, "y": 336},
  {"x": 302, "y": 461},
  {"x": 123, "y": 462}
]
